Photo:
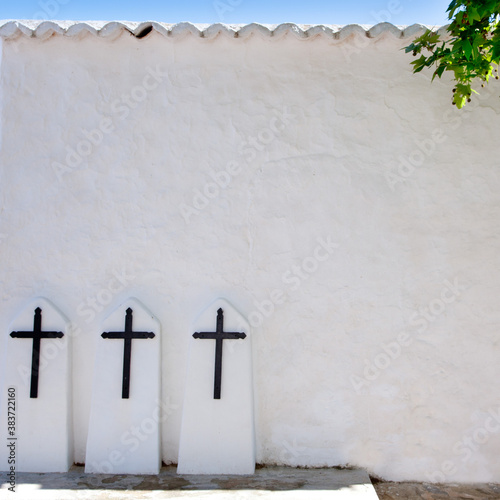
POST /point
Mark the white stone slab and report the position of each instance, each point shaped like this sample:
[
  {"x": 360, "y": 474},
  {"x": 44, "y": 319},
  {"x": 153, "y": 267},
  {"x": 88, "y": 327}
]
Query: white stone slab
[
  {"x": 275, "y": 483},
  {"x": 124, "y": 434},
  {"x": 43, "y": 424},
  {"x": 217, "y": 435}
]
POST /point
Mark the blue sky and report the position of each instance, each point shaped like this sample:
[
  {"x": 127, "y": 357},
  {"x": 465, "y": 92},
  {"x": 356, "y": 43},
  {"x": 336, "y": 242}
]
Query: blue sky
[{"x": 233, "y": 11}]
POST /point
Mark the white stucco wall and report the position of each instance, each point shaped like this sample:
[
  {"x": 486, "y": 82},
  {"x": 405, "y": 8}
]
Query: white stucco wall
[{"x": 380, "y": 351}]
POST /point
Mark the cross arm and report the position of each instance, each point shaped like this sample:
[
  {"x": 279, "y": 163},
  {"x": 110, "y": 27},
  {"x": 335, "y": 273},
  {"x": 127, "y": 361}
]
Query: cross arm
[
  {"x": 215, "y": 335},
  {"x": 122, "y": 335},
  {"x": 42, "y": 335}
]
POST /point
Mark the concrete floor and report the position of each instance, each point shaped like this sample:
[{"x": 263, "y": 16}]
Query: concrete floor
[
  {"x": 427, "y": 491},
  {"x": 278, "y": 483},
  {"x": 275, "y": 483}
]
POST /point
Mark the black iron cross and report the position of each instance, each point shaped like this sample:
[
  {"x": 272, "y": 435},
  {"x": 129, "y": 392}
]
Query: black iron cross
[
  {"x": 36, "y": 335},
  {"x": 218, "y": 336},
  {"x": 127, "y": 336}
]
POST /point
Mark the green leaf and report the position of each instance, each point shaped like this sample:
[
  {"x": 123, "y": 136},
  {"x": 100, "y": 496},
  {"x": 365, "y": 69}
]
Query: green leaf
[
  {"x": 473, "y": 15},
  {"x": 439, "y": 71},
  {"x": 470, "y": 49},
  {"x": 467, "y": 48},
  {"x": 459, "y": 100}
]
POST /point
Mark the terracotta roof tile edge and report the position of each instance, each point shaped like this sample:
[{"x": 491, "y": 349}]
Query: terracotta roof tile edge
[{"x": 11, "y": 29}]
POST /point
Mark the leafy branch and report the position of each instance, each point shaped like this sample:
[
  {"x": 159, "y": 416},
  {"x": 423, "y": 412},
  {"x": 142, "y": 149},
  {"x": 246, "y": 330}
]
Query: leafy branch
[{"x": 472, "y": 50}]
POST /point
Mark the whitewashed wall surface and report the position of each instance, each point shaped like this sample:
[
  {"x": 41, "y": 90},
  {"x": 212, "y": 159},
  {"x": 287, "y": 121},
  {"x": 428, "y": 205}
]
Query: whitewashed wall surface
[{"x": 340, "y": 203}]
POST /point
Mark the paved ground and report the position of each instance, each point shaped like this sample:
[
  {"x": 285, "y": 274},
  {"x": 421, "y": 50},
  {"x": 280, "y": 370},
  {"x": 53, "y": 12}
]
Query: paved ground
[
  {"x": 275, "y": 483},
  {"x": 426, "y": 491}
]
